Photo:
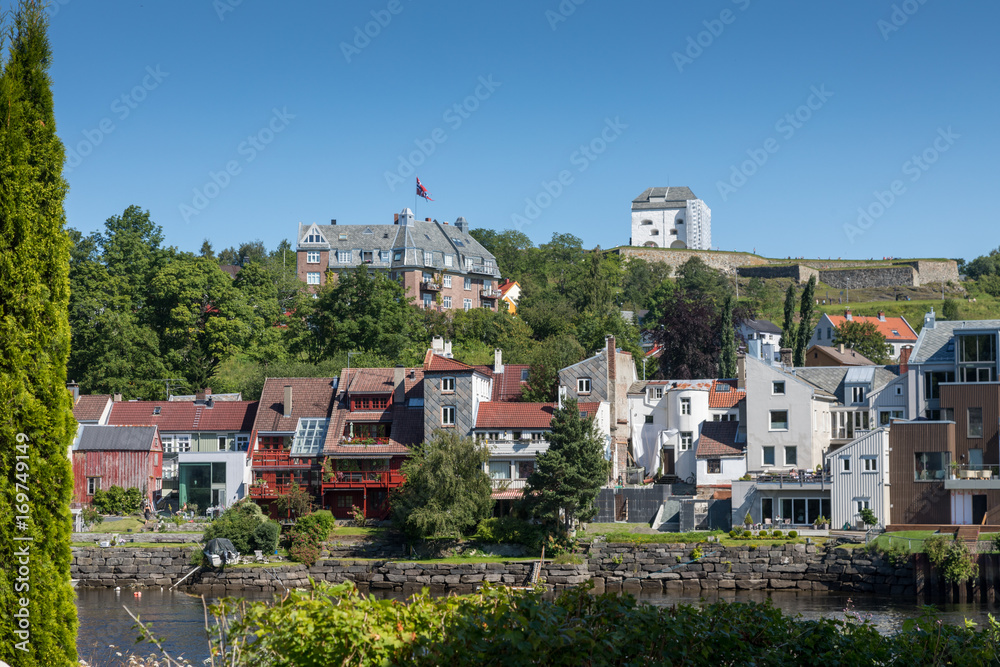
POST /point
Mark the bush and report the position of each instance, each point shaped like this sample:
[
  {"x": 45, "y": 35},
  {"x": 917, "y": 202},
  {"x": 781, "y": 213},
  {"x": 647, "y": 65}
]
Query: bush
[
  {"x": 241, "y": 525},
  {"x": 509, "y": 530},
  {"x": 793, "y": 534},
  {"x": 747, "y": 534},
  {"x": 952, "y": 558},
  {"x": 303, "y": 549},
  {"x": 117, "y": 500},
  {"x": 734, "y": 534},
  {"x": 307, "y": 536},
  {"x": 777, "y": 533},
  {"x": 91, "y": 517}
]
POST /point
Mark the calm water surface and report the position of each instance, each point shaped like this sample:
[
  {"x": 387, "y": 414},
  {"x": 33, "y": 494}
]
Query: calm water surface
[{"x": 178, "y": 618}]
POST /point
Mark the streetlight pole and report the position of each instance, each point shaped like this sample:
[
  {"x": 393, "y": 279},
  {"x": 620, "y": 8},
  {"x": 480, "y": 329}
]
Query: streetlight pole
[{"x": 347, "y": 389}]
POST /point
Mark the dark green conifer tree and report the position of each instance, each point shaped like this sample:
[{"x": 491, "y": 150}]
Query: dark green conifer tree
[
  {"x": 805, "y": 330},
  {"x": 788, "y": 326},
  {"x": 36, "y": 483},
  {"x": 727, "y": 355}
]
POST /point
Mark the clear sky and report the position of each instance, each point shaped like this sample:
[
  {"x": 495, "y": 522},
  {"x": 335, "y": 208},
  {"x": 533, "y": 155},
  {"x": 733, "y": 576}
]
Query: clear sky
[{"x": 234, "y": 120}]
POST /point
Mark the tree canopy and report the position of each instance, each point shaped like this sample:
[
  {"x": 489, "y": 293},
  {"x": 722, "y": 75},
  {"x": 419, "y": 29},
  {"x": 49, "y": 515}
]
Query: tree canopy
[{"x": 864, "y": 338}]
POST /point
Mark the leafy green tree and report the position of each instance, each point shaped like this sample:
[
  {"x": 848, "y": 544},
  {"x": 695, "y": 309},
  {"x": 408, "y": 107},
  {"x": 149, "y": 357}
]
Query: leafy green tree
[
  {"x": 446, "y": 491},
  {"x": 805, "y": 329},
  {"x": 546, "y": 360},
  {"x": 492, "y": 330},
  {"x": 727, "y": 355},
  {"x": 688, "y": 333},
  {"x": 37, "y": 427},
  {"x": 984, "y": 265},
  {"x": 593, "y": 329},
  {"x": 206, "y": 250},
  {"x": 599, "y": 283},
  {"x": 295, "y": 503},
  {"x": 512, "y": 249},
  {"x": 569, "y": 475},
  {"x": 130, "y": 250},
  {"x": 788, "y": 326},
  {"x": 641, "y": 280},
  {"x": 661, "y": 295},
  {"x": 259, "y": 290},
  {"x": 763, "y": 296},
  {"x": 547, "y": 312},
  {"x": 202, "y": 317},
  {"x": 950, "y": 310},
  {"x": 363, "y": 311},
  {"x": 697, "y": 277},
  {"x": 864, "y": 338}
]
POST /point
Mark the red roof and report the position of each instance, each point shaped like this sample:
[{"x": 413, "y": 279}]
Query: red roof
[
  {"x": 372, "y": 380},
  {"x": 496, "y": 414},
  {"x": 407, "y": 422},
  {"x": 185, "y": 416},
  {"x": 508, "y": 494},
  {"x": 90, "y": 407},
  {"x": 507, "y": 385},
  {"x": 506, "y": 286},
  {"x": 719, "y": 439},
  {"x": 435, "y": 362},
  {"x": 904, "y": 333},
  {"x": 311, "y": 397},
  {"x": 720, "y": 397}
]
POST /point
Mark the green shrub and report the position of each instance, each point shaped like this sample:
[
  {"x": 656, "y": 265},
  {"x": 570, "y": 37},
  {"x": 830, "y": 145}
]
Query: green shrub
[
  {"x": 266, "y": 536},
  {"x": 793, "y": 534},
  {"x": 241, "y": 525},
  {"x": 696, "y": 553},
  {"x": 307, "y": 536},
  {"x": 734, "y": 534},
  {"x": 747, "y": 534},
  {"x": 952, "y": 558},
  {"x": 117, "y": 500},
  {"x": 303, "y": 549},
  {"x": 91, "y": 517},
  {"x": 509, "y": 530},
  {"x": 777, "y": 533}
]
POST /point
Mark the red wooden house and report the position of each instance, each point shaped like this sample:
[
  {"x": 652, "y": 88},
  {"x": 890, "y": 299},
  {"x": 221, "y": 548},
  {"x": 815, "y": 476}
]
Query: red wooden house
[
  {"x": 378, "y": 415},
  {"x": 125, "y": 456}
]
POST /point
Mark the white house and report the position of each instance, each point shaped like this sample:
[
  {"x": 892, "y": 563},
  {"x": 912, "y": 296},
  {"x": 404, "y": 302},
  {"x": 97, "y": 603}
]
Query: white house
[
  {"x": 860, "y": 479},
  {"x": 671, "y": 217},
  {"x": 763, "y": 330},
  {"x": 897, "y": 331},
  {"x": 721, "y": 453}
]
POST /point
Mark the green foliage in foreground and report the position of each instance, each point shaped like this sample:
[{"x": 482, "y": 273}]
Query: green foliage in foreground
[{"x": 335, "y": 625}]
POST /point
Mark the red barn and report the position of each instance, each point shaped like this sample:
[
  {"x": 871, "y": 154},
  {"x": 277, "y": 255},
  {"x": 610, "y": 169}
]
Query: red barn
[{"x": 125, "y": 456}]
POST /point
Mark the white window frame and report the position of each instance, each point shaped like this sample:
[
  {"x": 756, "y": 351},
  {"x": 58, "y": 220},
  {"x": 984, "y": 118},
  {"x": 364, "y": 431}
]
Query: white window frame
[
  {"x": 93, "y": 485},
  {"x": 223, "y": 443},
  {"x": 447, "y": 415},
  {"x": 427, "y": 299},
  {"x": 858, "y": 395},
  {"x": 468, "y": 284},
  {"x": 428, "y": 258},
  {"x": 869, "y": 463},
  {"x": 182, "y": 443},
  {"x": 685, "y": 406},
  {"x": 583, "y": 385},
  {"x": 312, "y": 278},
  {"x": 498, "y": 469},
  {"x": 686, "y": 441},
  {"x": 467, "y": 304},
  {"x": 655, "y": 393},
  {"x": 344, "y": 256},
  {"x": 446, "y": 301},
  {"x": 242, "y": 443},
  {"x": 845, "y": 464},
  {"x": 770, "y": 421},
  {"x": 312, "y": 257},
  {"x": 447, "y": 280},
  {"x": 449, "y": 260},
  {"x": 448, "y": 385}
]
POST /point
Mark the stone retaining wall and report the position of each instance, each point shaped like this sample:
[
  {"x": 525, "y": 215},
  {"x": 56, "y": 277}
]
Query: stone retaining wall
[
  {"x": 160, "y": 538},
  {"x": 797, "y": 272},
  {"x": 896, "y": 276}
]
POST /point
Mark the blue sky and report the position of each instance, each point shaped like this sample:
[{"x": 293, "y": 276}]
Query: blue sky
[{"x": 235, "y": 120}]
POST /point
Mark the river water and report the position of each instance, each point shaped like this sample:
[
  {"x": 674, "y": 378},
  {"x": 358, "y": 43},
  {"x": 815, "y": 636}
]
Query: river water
[{"x": 178, "y": 618}]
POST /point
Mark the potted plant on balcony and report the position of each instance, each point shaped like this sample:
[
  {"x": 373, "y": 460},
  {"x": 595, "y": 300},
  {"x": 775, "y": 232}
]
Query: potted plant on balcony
[
  {"x": 821, "y": 523},
  {"x": 748, "y": 520}
]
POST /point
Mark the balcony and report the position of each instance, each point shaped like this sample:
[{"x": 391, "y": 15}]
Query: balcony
[
  {"x": 277, "y": 458},
  {"x": 509, "y": 484},
  {"x": 269, "y": 490},
  {"x": 490, "y": 293},
  {"x": 357, "y": 479},
  {"x": 790, "y": 480},
  {"x": 430, "y": 285},
  {"x": 972, "y": 477},
  {"x": 484, "y": 270}
]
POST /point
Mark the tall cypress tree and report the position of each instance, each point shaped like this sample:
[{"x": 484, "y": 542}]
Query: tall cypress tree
[
  {"x": 805, "y": 331},
  {"x": 727, "y": 355},
  {"x": 788, "y": 326},
  {"x": 38, "y": 624}
]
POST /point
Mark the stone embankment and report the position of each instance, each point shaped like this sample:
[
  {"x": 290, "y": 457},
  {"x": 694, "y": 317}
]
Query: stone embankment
[{"x": 612, "y": 567}]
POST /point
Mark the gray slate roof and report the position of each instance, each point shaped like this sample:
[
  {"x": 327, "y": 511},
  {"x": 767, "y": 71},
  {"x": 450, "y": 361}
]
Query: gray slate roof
[
  {"x": 416, "y": 239},
  {"x": 763, "y": 326},
  {"x": 120, "y": 438},
  {"x": 676, "y": 197},
  {"x": 833, "y": 379},
  {"x": 932, "y": 344}
]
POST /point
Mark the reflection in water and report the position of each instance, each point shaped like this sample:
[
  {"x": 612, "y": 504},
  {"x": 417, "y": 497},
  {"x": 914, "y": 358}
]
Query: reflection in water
[{"x": 178, "y": 619}]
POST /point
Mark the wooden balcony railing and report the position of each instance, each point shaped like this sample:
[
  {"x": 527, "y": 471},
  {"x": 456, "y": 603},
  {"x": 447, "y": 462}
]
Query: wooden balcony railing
[
  {"x": 269, "y": 490},
  {"x": 509, "y": 483},
  {"x": 275, "y": 458},
  {"x": 344, "y": 478}
]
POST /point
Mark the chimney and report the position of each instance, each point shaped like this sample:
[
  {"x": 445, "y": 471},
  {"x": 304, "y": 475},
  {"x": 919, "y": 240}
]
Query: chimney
[
  {"x": 333, "y": 221},
  {"x": 613, "y": 383},
  {"x": 199, "y": 396},
  {"x": 561, "y": 396},
  {"x": 497, "y": 360},
  {"x": 461, "y": 224},
  {"x": 406, "y": 218},
  {"x": 741, "y": 371},
  {"x": 74, "y": 389},
  {"x": 929, "y": 319},
  {"x": 288, "y": 401},
  {"x": 210, "y": 403},
  {"x": 881, "y": 316},
  {"x": 427, "y": 220},
  {"x": 399, "y": 384},
  {"x": 848, "y": 316},
  {"x": 904, "y": 358},
  {"x": 786, "y": 356},
  {"x": 395, "y": 219},
  {"x": 840, "y": 348},
  {"x": 117, "y": 398}
]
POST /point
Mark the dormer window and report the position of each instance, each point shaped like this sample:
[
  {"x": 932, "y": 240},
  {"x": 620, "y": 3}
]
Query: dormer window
[
  {"x": 343, "y": 236},
  {"x": 156, "y": 410},
  {"x": 524, "y": 375},
  {"x": 397, "y": 256},
  {"x": 857, "y": 394},
  {"x": 447, "y": 385},
  {"x": 583, "y": 385},
  {"x": 314, "y": 237}
]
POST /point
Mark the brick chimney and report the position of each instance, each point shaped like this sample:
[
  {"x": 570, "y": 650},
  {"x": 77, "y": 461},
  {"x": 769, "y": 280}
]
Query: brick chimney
[
  {"x": 904, "y": 358},
  {"x": 399, "y": 385},
  {"x": 848, "y": 316},
  {"x": 881, "y": 316},
  {"x": 786, "y": 356},
  {"x": 741, "y": 371},
  {"x": 287, "y": 407}
]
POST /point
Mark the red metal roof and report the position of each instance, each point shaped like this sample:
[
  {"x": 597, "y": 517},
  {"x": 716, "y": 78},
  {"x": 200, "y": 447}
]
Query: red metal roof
[
  {"x": 723, "y": 398},
  {"x": 719, "y": 439},
  {"x": 185, "y": 416},
  {"x": 904, "y": 333},
  {"x": 90, "y": 407}
]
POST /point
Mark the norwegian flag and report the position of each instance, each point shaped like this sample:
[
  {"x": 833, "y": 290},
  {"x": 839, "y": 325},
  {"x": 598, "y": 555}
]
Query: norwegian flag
[{"x": 422, "y": 191}]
